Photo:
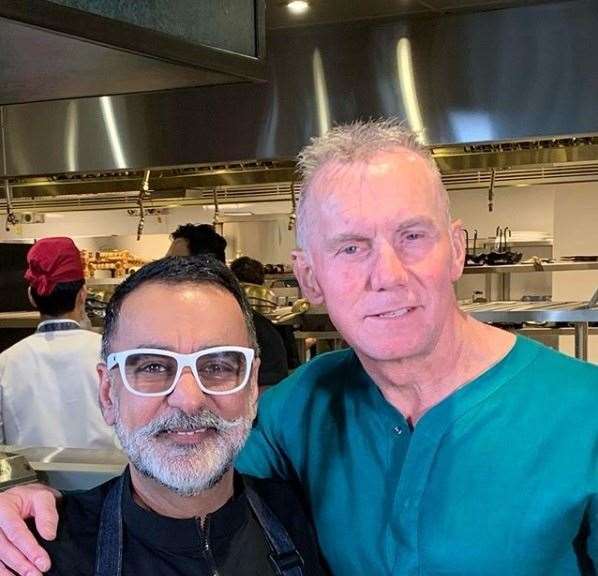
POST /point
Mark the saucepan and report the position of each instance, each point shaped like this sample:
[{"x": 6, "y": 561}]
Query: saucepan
[
  {"x": 472, "y": 258},
  {"x": 502, "y": 253}
]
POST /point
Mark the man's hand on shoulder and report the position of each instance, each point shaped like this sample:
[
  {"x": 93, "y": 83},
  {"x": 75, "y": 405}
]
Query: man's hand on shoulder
[{"x": 19, "y": 549}]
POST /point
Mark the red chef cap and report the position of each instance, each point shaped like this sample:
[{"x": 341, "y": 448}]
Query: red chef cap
[{"x": 52, "y": 261}]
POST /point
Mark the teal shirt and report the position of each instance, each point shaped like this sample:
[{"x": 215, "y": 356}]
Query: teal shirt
[{"x": 498, "y": 479}]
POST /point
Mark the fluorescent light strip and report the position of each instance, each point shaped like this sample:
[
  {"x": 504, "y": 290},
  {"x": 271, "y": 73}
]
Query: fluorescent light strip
[{"x": 112, "y": 129}]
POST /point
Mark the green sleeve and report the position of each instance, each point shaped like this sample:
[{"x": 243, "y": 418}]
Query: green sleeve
[{"x": 263, "y": 455}]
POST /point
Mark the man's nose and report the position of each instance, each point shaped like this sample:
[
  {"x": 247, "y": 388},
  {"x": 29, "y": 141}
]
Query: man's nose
[
  {"x": 187, "y": 395},
  {"x": 388, "y": 270}
]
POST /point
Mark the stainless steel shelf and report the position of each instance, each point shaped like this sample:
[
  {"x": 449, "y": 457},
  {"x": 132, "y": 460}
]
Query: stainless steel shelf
[
  {"x": 104, "y": 281},
  {"x": 517, "y": 312},
  {"x": 528, "y": 267},
  {"x": 576, "y": 313}
]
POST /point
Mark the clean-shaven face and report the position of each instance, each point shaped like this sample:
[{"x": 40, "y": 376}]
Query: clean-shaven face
[
  {"x": 383, "y": 253},
  {"x": 187, "y": 440}
]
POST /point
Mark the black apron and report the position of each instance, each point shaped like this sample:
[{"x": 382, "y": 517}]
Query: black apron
[{"x": 284, "y": 557}]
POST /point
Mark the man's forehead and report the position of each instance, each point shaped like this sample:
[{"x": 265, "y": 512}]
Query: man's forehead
[
  {"x": 182, "y": 317},
  {"x": 187, "y": 293},
  {"x": 183, "y": 302},
  {"x": 335, "y": 175}
]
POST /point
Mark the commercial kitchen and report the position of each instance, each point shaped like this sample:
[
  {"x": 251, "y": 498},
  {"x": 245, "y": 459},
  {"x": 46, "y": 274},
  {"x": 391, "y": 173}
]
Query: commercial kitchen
[{"x": 119, "y": 125}]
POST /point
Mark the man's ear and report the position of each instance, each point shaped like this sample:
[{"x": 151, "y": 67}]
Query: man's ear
[
  {"x": 31, "y": 300},
  {"x": 106, "y": 394},
  {"x": 81, "y": 298},
  {"x": 457, "y": 239},
  {"x": 305, "y": 274},
  {"x": 82, "y": 295}
]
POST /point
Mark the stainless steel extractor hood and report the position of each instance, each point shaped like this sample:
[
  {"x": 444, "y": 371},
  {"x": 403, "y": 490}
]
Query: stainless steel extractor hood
[
  {"x": 552, "y": 161},
  {"x": 74, "y": 48}
]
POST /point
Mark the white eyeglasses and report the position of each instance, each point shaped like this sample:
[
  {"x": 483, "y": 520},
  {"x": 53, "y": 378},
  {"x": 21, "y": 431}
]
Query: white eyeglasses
[{"x": 154, "y": 372}]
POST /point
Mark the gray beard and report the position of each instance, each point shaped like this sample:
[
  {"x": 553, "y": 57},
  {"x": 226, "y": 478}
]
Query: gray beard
[{"x": 186, "y": 470}]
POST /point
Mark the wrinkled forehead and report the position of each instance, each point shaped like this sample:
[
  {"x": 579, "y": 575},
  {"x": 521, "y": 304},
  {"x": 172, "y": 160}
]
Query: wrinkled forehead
[
  {"x": 184, "y": 317},
  {"x": 398, "y": 172}
]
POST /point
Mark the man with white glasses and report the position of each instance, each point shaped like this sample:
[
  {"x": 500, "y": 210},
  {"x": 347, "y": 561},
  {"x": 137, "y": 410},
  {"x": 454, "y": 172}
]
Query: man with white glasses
[{"x": 178, "y": 383}]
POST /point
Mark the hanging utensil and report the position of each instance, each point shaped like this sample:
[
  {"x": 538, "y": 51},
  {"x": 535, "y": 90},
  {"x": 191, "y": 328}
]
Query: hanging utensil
[
  {"x": 216, "y": 218},
  {"x": 11, "y": 217},
  {"x": 144, "y": 194},
  {"x": 506, "y": 245},
  {"x": 293, "y": 214},
  {"x": 217, "y": 224},
  {"x": 511, "y": 257},
  {"x": 491, "y": 191}
]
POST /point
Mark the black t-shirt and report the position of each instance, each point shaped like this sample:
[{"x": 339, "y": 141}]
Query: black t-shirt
[{"x": 229, "y": 543}]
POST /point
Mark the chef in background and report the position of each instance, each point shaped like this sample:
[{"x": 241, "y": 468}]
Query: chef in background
[
  {"x": 250, "y": 272},
  {"x": 48, "y": 381},
  {"x": 196, "y": 239}
]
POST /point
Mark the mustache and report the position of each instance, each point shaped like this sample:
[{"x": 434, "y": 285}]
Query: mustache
[{"x": 188, "y": 422}]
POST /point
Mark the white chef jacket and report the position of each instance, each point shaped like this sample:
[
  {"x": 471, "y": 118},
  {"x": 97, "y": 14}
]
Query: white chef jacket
[{"x": 49, "y": 391}]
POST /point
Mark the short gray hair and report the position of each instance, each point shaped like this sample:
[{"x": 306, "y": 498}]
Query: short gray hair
[{"x": 348, "y": 143}]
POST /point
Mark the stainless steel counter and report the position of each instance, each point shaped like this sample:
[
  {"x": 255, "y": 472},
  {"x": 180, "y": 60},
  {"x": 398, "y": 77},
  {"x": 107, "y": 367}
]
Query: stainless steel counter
[
  {"x": 518, "y": 312},
  {"x": 19, "y": 319},
  {"x": 72, "y": 468},
  {"x": 574, "y": 312}
]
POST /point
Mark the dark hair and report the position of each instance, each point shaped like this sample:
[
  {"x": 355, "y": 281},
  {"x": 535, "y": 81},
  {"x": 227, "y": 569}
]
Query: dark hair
[
  {"x": 202, "y": 239},
  {"x": 248, "y": 270},
  {"x": 60, "y": 301},
  {"x": 171, "y": 270}
]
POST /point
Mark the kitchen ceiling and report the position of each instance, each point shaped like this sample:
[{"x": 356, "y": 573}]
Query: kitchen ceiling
[{"x": 330, "y": 11}]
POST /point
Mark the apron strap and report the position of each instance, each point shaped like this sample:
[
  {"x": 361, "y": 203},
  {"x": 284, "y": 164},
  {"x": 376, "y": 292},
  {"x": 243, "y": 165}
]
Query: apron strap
[
  {"x": 110, "y": 535},
  {"x": 284, "y": 556}
]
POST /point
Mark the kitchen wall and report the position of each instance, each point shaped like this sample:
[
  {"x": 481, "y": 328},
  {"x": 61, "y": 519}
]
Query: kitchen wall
[
  {"x": 568, "y": 212},
  {"x": 263, "y": 235},
  {"x": 576, "y": 232},
  {"x": 530, "y": 208}
]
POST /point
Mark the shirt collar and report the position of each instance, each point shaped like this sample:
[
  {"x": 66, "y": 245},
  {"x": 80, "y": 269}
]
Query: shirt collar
[
  {"x": 58, "y": 324},
  {"x": 452, "y": 407},
  {"x": 58, "y": 321},
  {"x": 183, "y": 534}
]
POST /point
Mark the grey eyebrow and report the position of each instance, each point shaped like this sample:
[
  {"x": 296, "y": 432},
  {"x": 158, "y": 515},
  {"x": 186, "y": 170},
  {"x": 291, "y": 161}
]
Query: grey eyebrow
[
  {"x": 417, "y": 221},
  {"x": 347, "y": 236}
]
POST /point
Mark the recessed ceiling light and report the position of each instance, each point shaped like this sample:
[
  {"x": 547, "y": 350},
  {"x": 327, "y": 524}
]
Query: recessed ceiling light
[{"x": 298, "y": 6}]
